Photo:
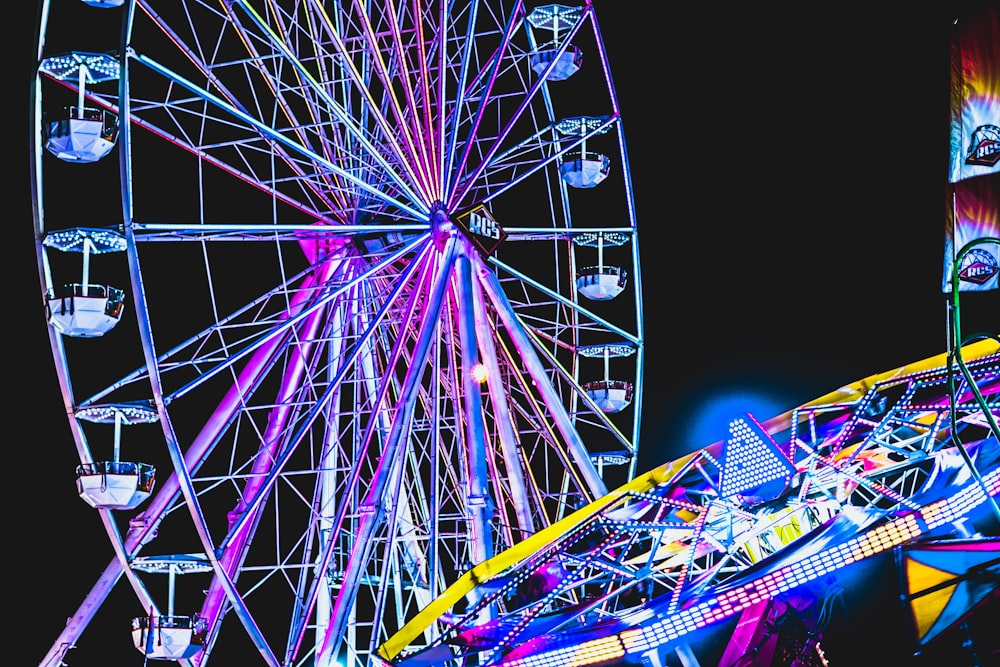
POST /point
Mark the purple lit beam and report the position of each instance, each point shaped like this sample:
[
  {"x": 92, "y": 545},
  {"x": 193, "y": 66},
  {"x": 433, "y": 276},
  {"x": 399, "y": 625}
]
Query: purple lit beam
[
  {"x": 503, "y": 421},
  {"x": 478, "y": 500},
  {"x": 371, "y": 514},
  {"x": 452, "y": 198}
]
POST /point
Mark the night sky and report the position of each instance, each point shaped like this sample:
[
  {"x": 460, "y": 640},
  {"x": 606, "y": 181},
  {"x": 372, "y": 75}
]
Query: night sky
[{"x": 789, "y": 169}]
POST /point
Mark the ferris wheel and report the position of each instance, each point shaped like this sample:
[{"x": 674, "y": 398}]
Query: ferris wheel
[{"x": 355, "y": 305}]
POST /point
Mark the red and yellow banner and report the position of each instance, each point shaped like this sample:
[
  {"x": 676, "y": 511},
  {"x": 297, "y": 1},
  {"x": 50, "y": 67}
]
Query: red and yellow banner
[{"x": 974, "y": 170}]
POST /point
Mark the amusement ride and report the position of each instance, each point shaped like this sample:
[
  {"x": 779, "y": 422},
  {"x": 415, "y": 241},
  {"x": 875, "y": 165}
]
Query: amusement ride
[{"x": 355, "y": 362}]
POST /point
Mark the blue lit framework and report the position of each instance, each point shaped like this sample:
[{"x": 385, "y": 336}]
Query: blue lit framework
[
  {"x": 874, "y": 465},
  {"x": 305, "y": 296}
]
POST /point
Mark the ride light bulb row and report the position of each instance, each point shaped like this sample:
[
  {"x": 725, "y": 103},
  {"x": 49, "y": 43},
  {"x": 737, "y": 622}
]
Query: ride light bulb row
[{"x": 879, "y": 539}]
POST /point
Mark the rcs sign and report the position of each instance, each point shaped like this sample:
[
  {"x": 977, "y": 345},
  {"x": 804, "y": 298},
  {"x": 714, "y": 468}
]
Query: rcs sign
[
  {"x": 482, "y": 229},
  {"x": 481, "y": 224}
]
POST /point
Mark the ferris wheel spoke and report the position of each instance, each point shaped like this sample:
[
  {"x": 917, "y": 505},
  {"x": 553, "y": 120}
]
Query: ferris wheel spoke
[
  {"x": 496, "y": 143},
  {"x": 414, "y": 152},
  {"x": 491, "y": 71},
  {"x": 416, "y": 147},
  {"x": 326, "y": 103},
  {"x": 261, "y": 480},
  {"x": 451, "y": 138},
  {"x": 188, "y": 137},
  {"x": 275, "y": 447},
  {"x": 212, "y": 351},
  {"x": 312, "y": 589},
  {"x": 266, "y": 131},
  {"x": 313, "y": 294},
  {"x": 291, "y": 381}
]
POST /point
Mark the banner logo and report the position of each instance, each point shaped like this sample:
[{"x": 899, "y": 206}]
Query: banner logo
[
  {"x": 977, "y": 267},
  {"x": 984, "y": 146}
]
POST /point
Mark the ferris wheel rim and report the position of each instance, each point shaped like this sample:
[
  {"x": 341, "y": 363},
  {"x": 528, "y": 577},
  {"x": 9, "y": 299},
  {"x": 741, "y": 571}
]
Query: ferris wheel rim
[{"x": 138, "y": 232}]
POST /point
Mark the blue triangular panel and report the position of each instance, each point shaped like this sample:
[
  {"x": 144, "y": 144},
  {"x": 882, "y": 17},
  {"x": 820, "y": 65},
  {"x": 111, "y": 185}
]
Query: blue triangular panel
[{"x": 956, "y": 561}]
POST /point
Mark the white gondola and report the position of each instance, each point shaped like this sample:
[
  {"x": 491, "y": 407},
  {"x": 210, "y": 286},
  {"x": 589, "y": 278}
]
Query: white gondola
[
  {"x": 170, "y": 636},
  {"x": 116, "y": 485},
  {"x": 610, "y": 396},
  {"x": 565, "y": 62},
  {"x": 84, "y": 310},
  {"x": 80, "y": 133},
  {"x": 601, "y": 282},
  {"x": 583, "y": 169}
]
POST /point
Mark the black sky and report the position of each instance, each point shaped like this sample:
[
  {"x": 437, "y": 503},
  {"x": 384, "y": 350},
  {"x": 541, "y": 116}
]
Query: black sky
[{"x": 789, "y": 169}]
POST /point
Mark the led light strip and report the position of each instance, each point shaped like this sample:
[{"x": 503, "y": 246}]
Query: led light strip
[{"x": 872, "y": 542}]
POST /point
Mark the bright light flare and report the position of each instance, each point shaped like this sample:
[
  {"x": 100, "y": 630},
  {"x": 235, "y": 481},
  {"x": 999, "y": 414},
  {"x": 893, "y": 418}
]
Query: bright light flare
[{"x": 479, "y": 373}]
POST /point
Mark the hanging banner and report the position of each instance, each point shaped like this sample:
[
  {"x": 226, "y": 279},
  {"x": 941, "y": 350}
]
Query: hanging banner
[
  {"x": 975, "y": 97},
  {"x": 974, "y": 158},
  {"x": 973, "y": 216}
]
